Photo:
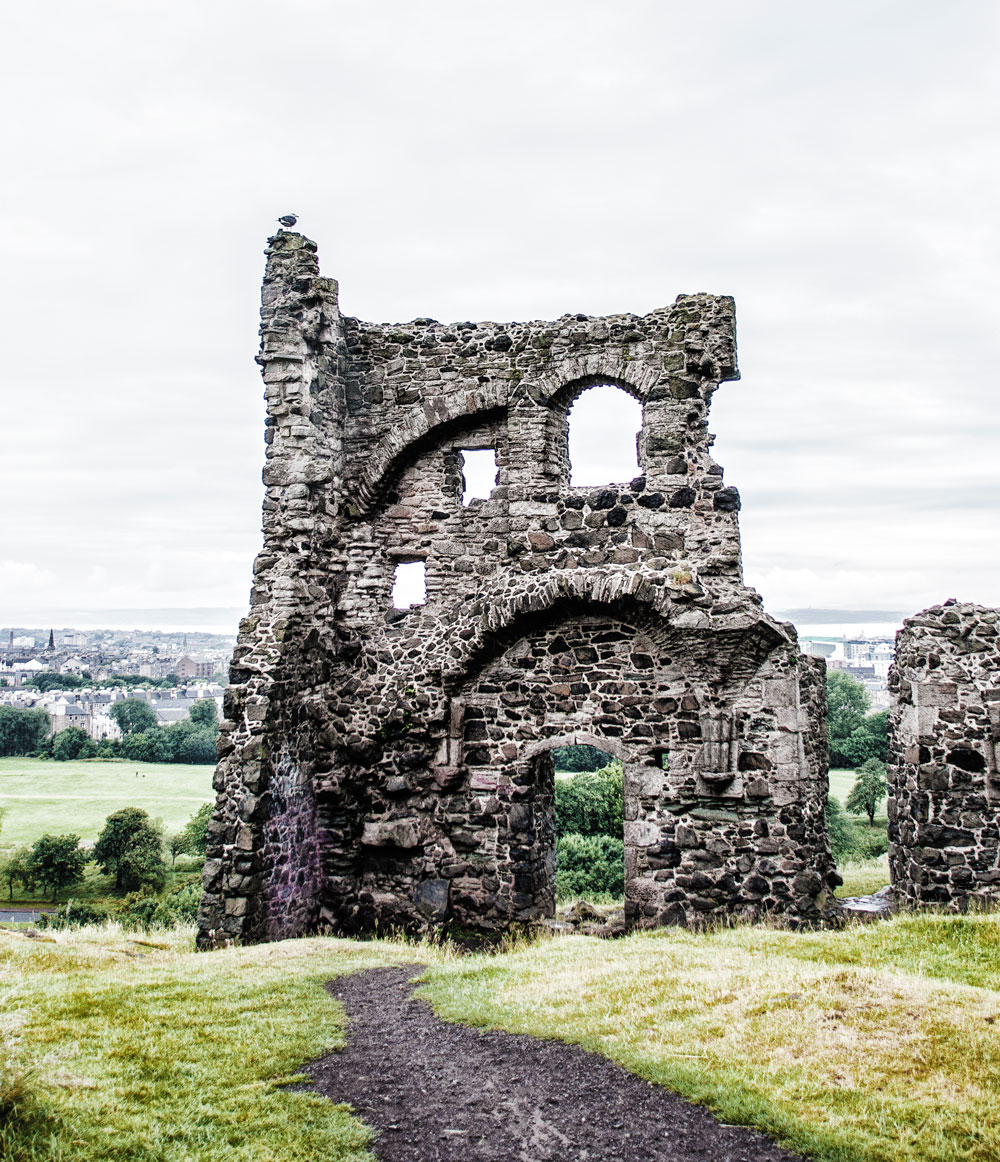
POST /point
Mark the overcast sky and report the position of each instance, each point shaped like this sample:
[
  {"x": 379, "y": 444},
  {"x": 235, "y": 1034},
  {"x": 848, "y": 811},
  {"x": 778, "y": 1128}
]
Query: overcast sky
[{"x": 834, "y": 167}]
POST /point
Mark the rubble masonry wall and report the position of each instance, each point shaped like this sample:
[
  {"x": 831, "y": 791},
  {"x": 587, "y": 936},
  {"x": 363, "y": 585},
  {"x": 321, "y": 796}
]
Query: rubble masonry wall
[{"x": 384, "y": 767}]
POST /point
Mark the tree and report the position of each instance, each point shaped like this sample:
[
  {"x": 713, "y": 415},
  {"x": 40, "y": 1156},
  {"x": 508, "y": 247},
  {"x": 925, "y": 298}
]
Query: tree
[
  {"x": 133, "y": 716},
  {"x": 859, "y": 746},
  {"x": 17, "y": 869},
  {"x": 22, "y": 731},
  {"x": 177, "y": 844},
  {"x": 579, "y": 758},
  {"x": 591, "y": 803},
  {"x": 69, "y": 744},
  {"x": 150, "y": 746},
  {"x": 847, "y": 703},
  {"x": 877, "y": 726},
  {"x": 206, "y": 714},
  {"x": 196, "y": 829},
  {"x": 50, "y": 680},
  {"x": 58, "y": 861},
  {"x": 197, "y": 747},
  {"x": 130, "y": 848},
  {"x": 868, "y": 791}
]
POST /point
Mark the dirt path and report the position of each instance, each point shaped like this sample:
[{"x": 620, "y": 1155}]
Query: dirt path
[{"x": 436, "y": 1092}]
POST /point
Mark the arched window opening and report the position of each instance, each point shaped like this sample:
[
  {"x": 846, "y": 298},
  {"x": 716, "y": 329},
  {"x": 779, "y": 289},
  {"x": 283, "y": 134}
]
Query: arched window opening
[
  {"x": 589, "y": 826},
  {"x": 604, "y": 423},
  {"x": 409, "y": 584},
  {"x": 479, "y": 474}
]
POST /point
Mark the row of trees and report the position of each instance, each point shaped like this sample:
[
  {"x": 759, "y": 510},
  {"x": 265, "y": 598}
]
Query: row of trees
[
  {"x": 52, "y": 680},
  {"x": 26, "y": 732},
  {"x": 190, "y": 741},
  {"x": 131, "y": 847}
]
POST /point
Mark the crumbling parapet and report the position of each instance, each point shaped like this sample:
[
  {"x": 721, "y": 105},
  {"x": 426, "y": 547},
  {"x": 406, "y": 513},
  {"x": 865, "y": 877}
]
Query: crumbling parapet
[
  {"x": 385, "y": 767},
  {"x": 943, "y": 781}
]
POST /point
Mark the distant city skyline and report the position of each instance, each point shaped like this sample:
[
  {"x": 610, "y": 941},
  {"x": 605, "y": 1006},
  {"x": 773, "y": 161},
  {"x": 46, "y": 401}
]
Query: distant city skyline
[{"x": 833, "y": 169}]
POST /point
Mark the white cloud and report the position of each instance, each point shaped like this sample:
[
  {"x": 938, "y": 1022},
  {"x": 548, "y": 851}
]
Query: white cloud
[{"x": 835, "y": 169}]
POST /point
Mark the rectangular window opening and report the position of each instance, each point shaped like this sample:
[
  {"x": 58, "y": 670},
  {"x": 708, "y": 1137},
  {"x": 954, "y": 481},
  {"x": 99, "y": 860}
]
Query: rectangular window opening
[
  {"x": 479, "y": 474},
  {"x": 409, "y": 584}
]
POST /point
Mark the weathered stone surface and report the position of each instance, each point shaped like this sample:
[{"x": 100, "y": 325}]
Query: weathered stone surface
[
  {"x": 944, "y": 785},
  {"x": 399, "y": 762}
]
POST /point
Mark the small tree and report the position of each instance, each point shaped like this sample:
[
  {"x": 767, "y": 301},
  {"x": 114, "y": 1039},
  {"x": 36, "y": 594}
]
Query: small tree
[
  {"x": 130, "y": 848},
  {"x": 868, "y": 791},
  {"x": 133, "y": 716},
  {"x": 205, "y": 713},
  {"x": 58, "y": 861},
  {"x": 17, "y": 869},
  {"x": 196, "y": 829},
  {"x": 177, "y": 844}
]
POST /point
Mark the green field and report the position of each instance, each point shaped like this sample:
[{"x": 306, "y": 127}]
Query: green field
[
  {"x": 841, "y": 783},
  {"x": 39, "y": 796}
]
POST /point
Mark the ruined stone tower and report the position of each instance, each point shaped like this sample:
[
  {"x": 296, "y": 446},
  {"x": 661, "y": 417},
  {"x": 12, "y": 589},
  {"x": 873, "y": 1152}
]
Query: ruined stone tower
[
  {"x": 944, "y": 779},
  {"x": 386, "y": 767}
]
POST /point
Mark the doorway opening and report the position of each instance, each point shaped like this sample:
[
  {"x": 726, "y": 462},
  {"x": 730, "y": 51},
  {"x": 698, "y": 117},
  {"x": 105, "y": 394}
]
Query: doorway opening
[{"x": 589, "y": 806}]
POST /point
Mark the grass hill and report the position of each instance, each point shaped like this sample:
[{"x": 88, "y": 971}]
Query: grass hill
[{"x": 873, "y": 1044}]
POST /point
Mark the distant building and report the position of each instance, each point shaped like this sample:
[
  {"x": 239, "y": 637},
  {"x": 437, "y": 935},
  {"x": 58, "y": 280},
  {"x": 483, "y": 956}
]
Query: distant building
[{"x": 187, "y": 668}]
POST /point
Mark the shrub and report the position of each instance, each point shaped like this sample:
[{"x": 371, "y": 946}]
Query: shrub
[
  {"x": 591, "y": 804},
  {"x": 590, "y": 866},
  {"x": 137, "y": 912}
]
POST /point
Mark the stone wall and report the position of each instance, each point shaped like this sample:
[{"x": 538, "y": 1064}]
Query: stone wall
[
  {"x": 944, "y": 786},
  {"x": 383, "y": 766}
]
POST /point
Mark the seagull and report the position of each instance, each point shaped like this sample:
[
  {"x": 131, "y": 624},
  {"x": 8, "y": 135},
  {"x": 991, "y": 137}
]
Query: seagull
[{"x": 288, "y": 220}]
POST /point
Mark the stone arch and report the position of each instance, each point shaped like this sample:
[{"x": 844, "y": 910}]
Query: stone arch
[
  {"x": 631, "y": 596},
  {"x": 600, "y": 742},
  {"x": 572, "y": 376},
  {"x": 420, "y": 431}
]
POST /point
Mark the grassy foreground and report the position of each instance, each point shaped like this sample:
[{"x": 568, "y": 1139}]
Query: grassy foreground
[
  {"x": 874, "y": 1044},
  {"x": 152, "y": 1053},
  {"x": 40, "y": 796}
]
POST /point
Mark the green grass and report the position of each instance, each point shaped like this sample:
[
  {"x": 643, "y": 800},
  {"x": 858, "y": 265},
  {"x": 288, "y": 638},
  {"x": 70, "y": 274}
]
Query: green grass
[
  {"x": 863, "y": 877},
  {"x": 40, "y": 796},
  {"x": 144, "y": 1051},
  {"x": 876, "y": 1043},
  {"x": 873, "y": 1044}
]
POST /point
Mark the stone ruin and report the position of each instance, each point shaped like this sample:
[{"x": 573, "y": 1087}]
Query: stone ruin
[
  {"x": 392, "y": 768},
  {"x": 944, "y": 785}
]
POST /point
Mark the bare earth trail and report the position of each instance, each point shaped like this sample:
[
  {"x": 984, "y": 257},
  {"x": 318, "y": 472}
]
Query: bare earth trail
[{"x": 437, "y": 1092}]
